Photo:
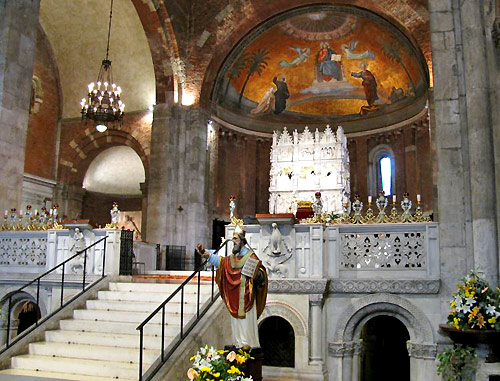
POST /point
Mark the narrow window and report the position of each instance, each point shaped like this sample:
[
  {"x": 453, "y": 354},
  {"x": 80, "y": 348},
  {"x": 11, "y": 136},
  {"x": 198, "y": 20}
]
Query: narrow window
[{"x": 386, "y": 174}]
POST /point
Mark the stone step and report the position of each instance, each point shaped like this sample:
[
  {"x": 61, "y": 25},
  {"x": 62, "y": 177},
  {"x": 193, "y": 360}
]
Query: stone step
[
  {"x": 86, "y": 368},
  {"x": 166, "y": 288},
  {"x": 117, "y": 305},
  {"x": 22, "y": 374},
  {"x": 92, "y": 352},
  {"x": 128, "y": 316},
  {"x": 111, "y": 339},
  {"x": 156, "y": 297},
  {"x": 171, "y": 328}
]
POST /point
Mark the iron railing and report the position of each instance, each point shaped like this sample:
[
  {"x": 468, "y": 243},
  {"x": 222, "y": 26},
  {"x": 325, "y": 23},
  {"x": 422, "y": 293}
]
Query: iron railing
[
  {"x": 167, "y": 352},
  {"x": 63, "y": 304}
]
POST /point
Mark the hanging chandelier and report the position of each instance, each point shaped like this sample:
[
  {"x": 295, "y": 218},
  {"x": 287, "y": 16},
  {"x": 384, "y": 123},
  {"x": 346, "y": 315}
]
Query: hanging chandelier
[{"x": 103, "y": 104}]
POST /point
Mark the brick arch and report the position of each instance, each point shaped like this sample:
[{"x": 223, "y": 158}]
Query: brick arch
[
  {"x": 408, "y": 17},
  {"x": 87, "y": 148},
  {"x": 157, "y": 25}
]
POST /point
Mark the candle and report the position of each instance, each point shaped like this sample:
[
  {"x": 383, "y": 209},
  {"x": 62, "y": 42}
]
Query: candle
[
  {"x": 21, "y": 212},
  {"x": 369, "y": 199},
  {"x": 36, "y": 212},
  {"x": 6, "y": 212},
  {"x": 418, "y": 198},
  {"x": 393, "y": 198}
]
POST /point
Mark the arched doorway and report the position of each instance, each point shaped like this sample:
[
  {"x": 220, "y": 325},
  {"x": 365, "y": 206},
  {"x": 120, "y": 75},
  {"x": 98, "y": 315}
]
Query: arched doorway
[
  {"x": 28, "y": 315},
  {"x": 277, "y": 340},
  {"x": 384, "y": 355}
]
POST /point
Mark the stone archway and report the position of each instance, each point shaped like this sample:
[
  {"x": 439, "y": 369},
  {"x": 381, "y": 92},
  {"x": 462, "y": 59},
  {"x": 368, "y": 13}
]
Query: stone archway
[
  {"x": 10, "y": 322},
  {"x": 346, "y": 345}
]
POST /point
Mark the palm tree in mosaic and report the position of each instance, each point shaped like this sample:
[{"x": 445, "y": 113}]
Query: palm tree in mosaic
[
  {"x": 394, "y": 55},
  {"x": 235, "y": 71},
  {"x": 256, "y": 63}
]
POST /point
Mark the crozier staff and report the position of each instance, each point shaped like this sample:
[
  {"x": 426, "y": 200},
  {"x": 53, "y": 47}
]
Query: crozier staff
[{"x": 244, "y": 296}]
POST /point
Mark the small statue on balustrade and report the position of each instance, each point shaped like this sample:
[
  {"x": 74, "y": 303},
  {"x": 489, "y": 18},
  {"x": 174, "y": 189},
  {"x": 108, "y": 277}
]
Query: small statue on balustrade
[
  {"x": 317, "y": 205},
  {"x": 232, "y": 206},
  {"x": 115, "y": 214},
  {"x": 78, "y": 245}
]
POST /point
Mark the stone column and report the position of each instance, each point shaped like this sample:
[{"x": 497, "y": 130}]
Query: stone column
[
  {"x": 453, "y": 201},
  {"x": 177, "y": 190},
  {"x": 479, "y": 120},
  {"x": 18, "y": 32},
  {"x": 316, "y": 328}
]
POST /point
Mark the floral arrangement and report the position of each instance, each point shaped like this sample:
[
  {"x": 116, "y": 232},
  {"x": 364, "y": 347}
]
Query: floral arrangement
[
  {"x": 210, "y": 364},
  {"x": 475, "y": 305}
]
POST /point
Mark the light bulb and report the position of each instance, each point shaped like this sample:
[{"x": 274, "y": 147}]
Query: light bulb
[{"x": 101, "y": 127}]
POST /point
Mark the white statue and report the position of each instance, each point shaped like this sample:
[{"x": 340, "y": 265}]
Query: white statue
[
  {"x": 232, "y": 206},
  {"x": 115, "y": 214},
  {"x": 317, "y": 205},
  {"x": 78, "y": 245},
  {"x": 275, "y": 239}
]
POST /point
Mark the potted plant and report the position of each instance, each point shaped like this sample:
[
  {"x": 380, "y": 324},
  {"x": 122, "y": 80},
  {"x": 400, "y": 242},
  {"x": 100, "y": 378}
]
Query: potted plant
[{"x": 474, "y": 316}]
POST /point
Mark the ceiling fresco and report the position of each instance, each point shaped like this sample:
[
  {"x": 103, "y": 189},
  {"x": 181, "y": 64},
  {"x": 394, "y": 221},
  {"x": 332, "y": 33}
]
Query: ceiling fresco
[{"x": 329, "y": 62}]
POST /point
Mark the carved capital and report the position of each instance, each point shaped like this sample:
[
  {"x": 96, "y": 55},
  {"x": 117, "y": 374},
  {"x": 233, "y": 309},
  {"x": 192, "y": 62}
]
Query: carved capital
[
  {"x": 344, "y": 349},
  {"x": 316, "y": 300},
  {"x": 422, "y": 351}
]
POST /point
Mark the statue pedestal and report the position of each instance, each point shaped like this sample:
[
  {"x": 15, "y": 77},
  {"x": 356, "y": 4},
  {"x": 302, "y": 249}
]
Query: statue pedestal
[{"x": 253, "y": 367}]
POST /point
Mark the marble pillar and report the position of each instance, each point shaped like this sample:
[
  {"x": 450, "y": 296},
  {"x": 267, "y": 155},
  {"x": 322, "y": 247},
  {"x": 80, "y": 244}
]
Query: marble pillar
[
  {"x": 177, "y": 190},
  {"x": 316, "y": 336},
  {"x": 18, "y": 32}
]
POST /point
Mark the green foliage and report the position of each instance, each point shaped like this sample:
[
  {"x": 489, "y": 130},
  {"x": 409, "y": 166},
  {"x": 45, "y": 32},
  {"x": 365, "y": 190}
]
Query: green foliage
[
  {"x": 475, "y": 305},
  {"x": 457, "y": 363}
]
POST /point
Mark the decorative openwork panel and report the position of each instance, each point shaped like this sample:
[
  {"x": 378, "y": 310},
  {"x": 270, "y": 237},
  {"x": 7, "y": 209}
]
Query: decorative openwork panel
[
  {"x": 383, "y": 251},
  {"x": 23, "y": 251}
]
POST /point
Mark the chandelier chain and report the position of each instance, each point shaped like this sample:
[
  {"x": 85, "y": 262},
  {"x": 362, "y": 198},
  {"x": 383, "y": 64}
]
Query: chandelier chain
[{"x": 109, "y": 28}]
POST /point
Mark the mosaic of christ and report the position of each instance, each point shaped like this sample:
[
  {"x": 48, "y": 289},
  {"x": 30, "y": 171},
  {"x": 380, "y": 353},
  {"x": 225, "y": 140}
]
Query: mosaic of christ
[{"x": 339, "y": 62}]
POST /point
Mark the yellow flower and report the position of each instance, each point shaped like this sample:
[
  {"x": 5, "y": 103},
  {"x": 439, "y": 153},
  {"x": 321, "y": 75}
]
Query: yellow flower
[
  {"x": 206, "y": 369},
  {"x": 234, "y": 370},
  {"x": 240, "y": 359},
  {"x": 192, "y": 374},
  {"x": 453, "y": 304},
  {"x": 216, "y": 374},
  {"x": 480, "y": 320},
  {"x": 456, "y": 322},
  {"x": 493, "y": 320}
]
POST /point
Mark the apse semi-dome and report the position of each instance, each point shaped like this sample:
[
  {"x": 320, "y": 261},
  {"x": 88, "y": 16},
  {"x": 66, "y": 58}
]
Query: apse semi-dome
[
  {"x": 115, "y": 171},
  {"x": 322, "y": 64}
]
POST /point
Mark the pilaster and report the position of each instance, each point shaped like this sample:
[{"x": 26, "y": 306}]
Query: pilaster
[{"x": 18, "y": 31}]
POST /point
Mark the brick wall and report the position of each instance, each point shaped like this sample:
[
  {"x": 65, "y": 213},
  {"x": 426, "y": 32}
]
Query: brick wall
[
  {"x": 242, "y": 169},
  {"x": 42, "y": 126}
]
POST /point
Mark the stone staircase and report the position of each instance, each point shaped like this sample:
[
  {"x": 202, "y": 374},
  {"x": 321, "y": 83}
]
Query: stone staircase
[{"x": 101, "y": 342}]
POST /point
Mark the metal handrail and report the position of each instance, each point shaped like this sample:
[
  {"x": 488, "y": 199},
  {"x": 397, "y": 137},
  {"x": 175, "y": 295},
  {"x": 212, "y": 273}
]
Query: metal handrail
[
  {"x": 62, "y": 305},
  {"x": 183, "y": 332}
]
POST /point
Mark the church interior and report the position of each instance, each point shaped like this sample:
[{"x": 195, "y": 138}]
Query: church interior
[{"x": 356, "y": 142}]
